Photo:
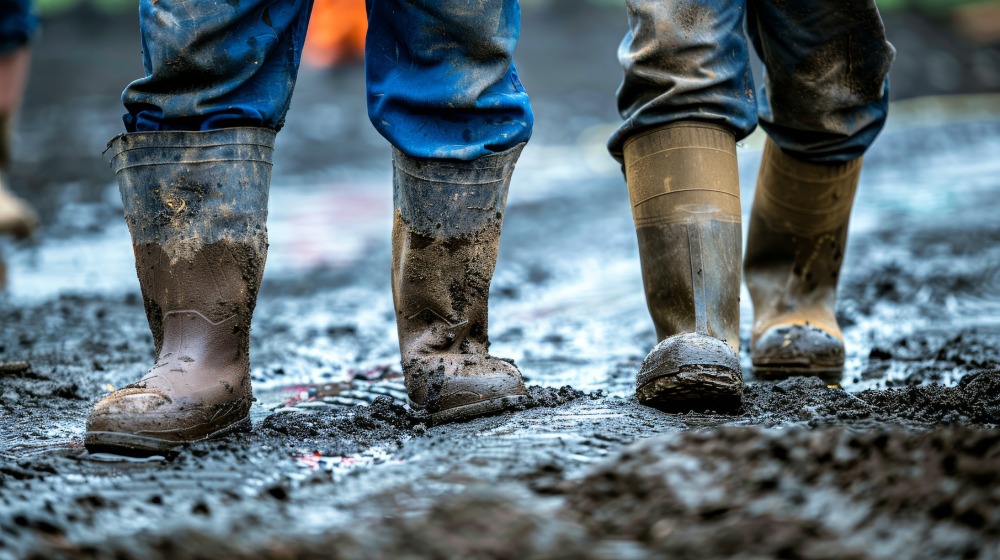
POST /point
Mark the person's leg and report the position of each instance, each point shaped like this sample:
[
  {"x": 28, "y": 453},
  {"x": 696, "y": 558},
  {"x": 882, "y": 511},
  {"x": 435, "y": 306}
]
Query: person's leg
[
  {"x": 17, "y": 27},
  {"x": 443, "y": 90},
  {"x": 194, "y": 173},
  {"x": 823, "y": 103},
  {"x": 212, "y": 65},
  {"x": 687, "y": 97}
]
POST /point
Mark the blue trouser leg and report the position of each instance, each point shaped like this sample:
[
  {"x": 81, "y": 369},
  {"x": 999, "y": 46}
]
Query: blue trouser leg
[
  {"x": 827, "y": 60},
  {"x": 441, "y": 80},
  {"x": 17, "y": 24},
  {"x": 826, "y": 92},
  {"x": 213, "y": 65}
]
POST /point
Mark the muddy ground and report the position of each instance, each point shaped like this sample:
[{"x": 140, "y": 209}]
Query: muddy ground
[{"x": 902, "y": 460}]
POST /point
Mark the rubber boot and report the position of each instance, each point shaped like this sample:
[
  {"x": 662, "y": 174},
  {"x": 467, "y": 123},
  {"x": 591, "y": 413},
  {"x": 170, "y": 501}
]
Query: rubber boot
[
  {"x": 795, "y": 246},
  {"x": 445, "y": 239},
  {"x": 196, "y": 206},
  {"x": 684, "y": 186}
]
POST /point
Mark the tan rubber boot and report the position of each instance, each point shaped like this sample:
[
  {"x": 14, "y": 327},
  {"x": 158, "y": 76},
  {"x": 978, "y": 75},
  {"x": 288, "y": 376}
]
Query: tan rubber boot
[
  {"x": 445, "y": 239},
  {"x": 795, "y": 246},
  {"x": 196, "y": 206},
  {"x": 684, "y": 186}
]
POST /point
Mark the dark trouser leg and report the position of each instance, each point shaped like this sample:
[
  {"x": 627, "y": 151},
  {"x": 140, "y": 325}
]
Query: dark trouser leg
[{"x": 823, "y": 103}]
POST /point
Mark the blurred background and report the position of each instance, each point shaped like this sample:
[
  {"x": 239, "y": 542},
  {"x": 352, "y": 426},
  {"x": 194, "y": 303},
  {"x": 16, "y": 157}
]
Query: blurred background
[{"x": 331, "y": 198}]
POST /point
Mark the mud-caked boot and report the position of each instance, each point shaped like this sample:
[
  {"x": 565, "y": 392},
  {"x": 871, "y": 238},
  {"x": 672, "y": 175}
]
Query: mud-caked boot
[
  {"x": 196, "y": 205},
  {"x": 795, "y": 246},
  {"x": 445, "y": 239},
  {"x": 684, "y": 186},
  {"x": 17, "y": 217}
]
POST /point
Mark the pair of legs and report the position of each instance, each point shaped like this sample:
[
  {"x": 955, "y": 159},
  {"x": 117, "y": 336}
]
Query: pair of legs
[
  {"x": 17, "y": 27},
  {"x": 687, "y": 98},
  {"x": 194, "y": 171}
]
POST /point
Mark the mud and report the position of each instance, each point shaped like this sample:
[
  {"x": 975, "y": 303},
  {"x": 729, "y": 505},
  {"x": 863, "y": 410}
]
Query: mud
[{"x": 900, "y": 460}]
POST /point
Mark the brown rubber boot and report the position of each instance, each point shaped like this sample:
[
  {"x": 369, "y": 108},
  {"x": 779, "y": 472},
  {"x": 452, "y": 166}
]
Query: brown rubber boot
[
  {"x": 445, "y": 239},
  {"x": 684, "y": 185},
  {"x": 795, "y": 246},
  {"x": 196, "y": 206}
]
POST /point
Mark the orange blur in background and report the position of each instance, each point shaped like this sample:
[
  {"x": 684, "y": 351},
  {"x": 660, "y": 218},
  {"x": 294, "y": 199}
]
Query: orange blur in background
[{"x": 336, "y": 33}]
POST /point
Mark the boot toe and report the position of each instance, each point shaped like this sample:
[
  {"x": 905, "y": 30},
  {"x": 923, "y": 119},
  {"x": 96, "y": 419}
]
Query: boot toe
[
  {"x": 138, "y": 421},
  {"x": 691, "y": 372},
  {"x": 797, "y": 350},
  {"x": 500, "y": 380},
  {"x": 119, "y": 410},
  {"x": 475, "y": 387}
]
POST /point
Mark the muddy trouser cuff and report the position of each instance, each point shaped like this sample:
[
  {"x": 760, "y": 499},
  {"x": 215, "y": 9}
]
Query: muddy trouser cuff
[
  {"x": 206, "y": 186},
  {"x": 450, "y": 60},
  {"x": 452, "y": 198},
  {"x": 686, "y": 60}
]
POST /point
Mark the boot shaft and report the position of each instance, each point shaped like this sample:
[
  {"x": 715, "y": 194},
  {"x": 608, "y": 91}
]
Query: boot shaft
[
  {"x": 798, "y": 235},
  {"x": 446, "y": 236},
  {"x": 683, "y": 183},
  {"x": 196, "y": 208}
]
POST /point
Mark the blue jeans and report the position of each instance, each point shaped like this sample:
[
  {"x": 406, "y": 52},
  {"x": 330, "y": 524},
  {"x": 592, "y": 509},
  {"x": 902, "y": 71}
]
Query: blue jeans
[
  {"x": 441, "y": 81},
  {"x": 825, "y": 95},
  {"x": 17, "y": 24}
]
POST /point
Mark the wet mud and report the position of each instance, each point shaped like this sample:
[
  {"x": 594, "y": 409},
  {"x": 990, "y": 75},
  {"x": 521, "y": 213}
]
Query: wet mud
[{"x": 900, "y": 460}]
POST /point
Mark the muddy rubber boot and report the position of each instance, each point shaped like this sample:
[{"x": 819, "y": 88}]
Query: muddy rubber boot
[
  {"x": 795, "y": 246},
  {"x": 17, "y": 217},
  {"x": 445, "y": 239},
  {"x": 196, "y": 206},
  {"x": 684, "y": 186}
]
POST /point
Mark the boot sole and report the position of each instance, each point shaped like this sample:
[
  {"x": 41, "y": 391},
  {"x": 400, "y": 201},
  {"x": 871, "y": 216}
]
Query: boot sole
[
  {"x": 694, "y": 387},
  {"x": 141, "y": 446},
  {"x": 777, "y": 372},
  {"x": 474, "y": 410}
]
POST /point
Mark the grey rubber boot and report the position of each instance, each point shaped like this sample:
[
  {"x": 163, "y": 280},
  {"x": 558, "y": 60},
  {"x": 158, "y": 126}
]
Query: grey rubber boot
[
  {"x": 445, "y": 239},
  {"x": 196, "y": 207},
  {"x": 684, "y": 187},
  {"x": 795, "y": 246}
]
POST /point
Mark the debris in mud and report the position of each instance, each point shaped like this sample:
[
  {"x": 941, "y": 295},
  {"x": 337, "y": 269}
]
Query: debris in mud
[
  {"x": 342, "y": 431},
  {"x": 15, "y": 368},
  {"x": 829, "y": 493},
  {"x": 976, "y": 400},
  {"x": 551, "y": 397}
]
